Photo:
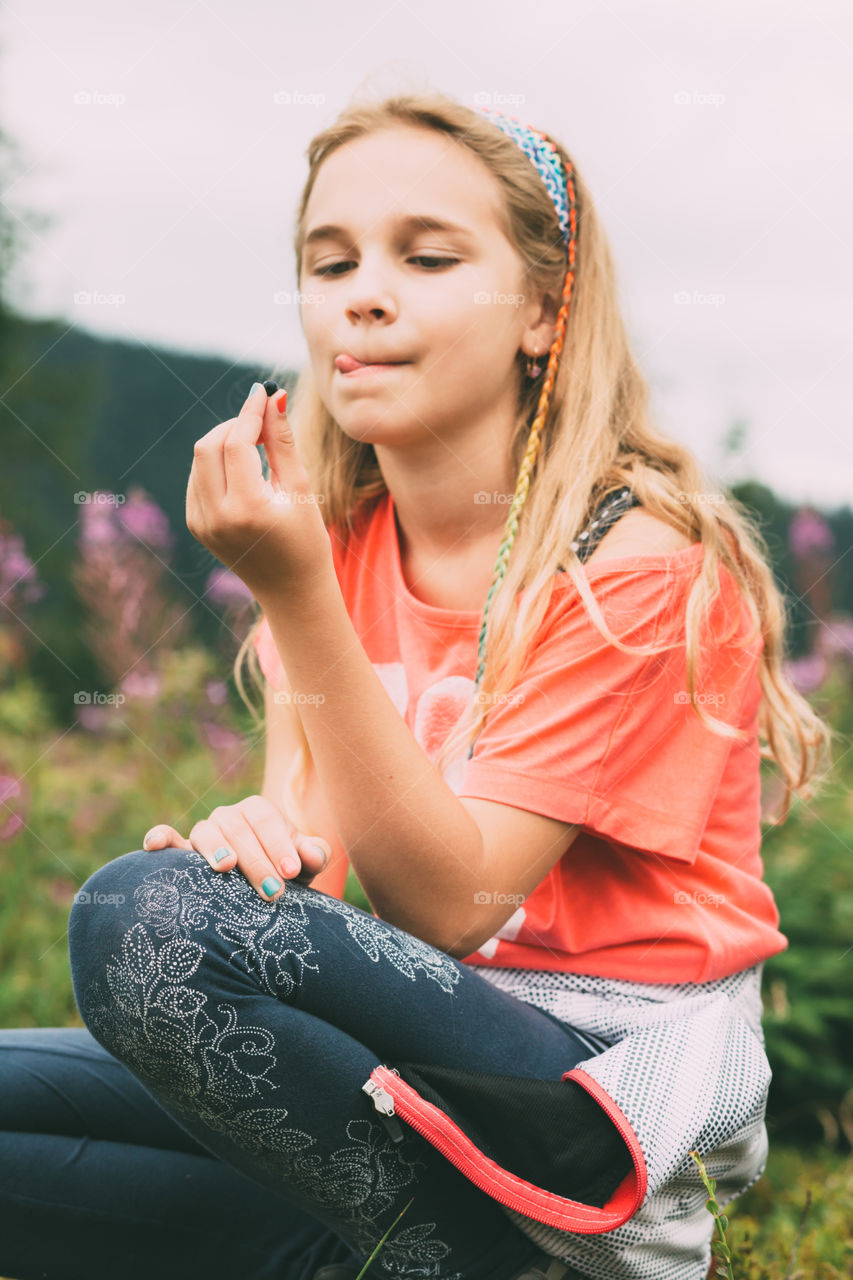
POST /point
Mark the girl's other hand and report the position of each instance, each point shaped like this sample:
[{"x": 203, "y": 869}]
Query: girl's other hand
[{"x": 256, "y": 837}]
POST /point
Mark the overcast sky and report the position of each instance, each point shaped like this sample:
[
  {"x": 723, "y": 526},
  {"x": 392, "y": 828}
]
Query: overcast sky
[{"x": 166, "y": 143}]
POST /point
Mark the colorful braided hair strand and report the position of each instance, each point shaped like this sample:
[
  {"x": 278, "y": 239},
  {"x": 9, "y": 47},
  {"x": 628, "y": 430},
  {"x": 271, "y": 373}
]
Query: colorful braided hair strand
[{"x": 558, "y": 180}]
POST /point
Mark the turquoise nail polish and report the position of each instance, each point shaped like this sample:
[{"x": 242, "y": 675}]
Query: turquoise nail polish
[
  {"x": 254, "y": 388},
  {"x": 220, "y": 854},
  {"x": 271, "y": 886}
]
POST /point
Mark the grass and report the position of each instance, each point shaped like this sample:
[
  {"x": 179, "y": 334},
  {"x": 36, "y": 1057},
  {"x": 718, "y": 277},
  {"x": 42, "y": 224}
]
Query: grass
[{"x": 794, "y": 1224}]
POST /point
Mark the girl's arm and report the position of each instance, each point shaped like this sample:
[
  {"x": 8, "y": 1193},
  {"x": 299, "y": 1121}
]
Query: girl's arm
[
  {"x": 427, "y": 861},
  {"x": 282, "y": 744}
]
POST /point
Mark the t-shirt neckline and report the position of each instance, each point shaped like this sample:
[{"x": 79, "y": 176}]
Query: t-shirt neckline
[{"x": 684, "y": 556}]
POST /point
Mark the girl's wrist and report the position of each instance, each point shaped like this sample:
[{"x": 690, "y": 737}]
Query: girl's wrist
[{"x": 297, "y": 594}]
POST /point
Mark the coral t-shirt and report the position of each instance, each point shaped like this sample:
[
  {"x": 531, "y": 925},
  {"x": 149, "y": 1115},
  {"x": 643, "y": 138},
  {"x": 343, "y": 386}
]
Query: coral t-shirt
[{"x": 663, "y": 883}]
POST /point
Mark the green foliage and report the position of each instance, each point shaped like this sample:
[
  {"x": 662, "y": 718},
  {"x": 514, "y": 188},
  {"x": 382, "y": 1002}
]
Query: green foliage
[
  {"x": 795, "y": 1224},
  {"x": 808, "y": 1019},
  {"x": 25, "y": 710},
  {"x": 354, "y": 893},
  {"x": 92, "y": 797},
  {"x": 720, "y": 1248},
  {"x": 364, "y": 1270},
  {"x": 81, "y": 413}
]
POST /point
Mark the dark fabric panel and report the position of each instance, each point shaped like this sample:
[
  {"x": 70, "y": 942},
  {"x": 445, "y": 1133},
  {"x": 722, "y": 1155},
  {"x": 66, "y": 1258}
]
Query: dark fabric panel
[{"x": 549, "y": 1132}]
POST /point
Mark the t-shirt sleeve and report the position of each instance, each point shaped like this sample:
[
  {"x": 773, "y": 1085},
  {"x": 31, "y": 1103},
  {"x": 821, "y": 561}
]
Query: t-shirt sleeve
[{"x": 609, "y": 740}]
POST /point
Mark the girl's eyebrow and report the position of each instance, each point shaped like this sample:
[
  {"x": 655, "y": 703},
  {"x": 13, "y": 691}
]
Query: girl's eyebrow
[{"x": 409, "y": 222}]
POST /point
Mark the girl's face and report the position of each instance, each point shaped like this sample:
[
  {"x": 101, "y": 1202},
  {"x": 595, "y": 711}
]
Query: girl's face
[{"x": 443, "y": 304}]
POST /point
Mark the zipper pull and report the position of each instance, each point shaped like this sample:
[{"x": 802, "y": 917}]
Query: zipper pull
[{"x": 384, "y": 1104}]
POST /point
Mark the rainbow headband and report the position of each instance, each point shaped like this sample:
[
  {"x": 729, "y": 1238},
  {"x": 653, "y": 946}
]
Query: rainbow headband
[{"x": 543, "y": 154}]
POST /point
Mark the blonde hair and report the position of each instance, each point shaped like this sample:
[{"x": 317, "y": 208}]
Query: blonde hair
[{"x": 593, "y": 417}]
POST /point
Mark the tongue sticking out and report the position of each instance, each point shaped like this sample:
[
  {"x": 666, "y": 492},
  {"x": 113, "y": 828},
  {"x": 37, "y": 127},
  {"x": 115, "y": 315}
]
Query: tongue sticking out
[{"x": 346, "y": 364}]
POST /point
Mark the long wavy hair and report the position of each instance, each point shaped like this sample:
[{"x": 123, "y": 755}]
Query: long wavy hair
[{"x": 597, "y": 435}]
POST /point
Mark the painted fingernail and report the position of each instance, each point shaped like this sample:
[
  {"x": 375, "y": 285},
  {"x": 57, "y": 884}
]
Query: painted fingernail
[
  {"x": 254, "y": 387},
  {"x": 281, "y": 403},
  {"x": 270, "y": 387},
  {"x": 271, "y": 886},
  {"x": 149, "y": 836},
  {"x": 291, "y": 866},
  {"x": 220, "y": 854},
  {"x": 318, "y": 848}
]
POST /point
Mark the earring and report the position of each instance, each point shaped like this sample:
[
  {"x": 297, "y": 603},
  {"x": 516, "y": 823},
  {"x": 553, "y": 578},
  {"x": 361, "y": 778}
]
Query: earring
[{"x": 534, "y": 370}]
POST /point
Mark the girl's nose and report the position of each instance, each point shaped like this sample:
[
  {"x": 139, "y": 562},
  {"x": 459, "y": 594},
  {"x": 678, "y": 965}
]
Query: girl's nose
[
  {"x": 370, "y": 301},
  {"x": 368, "y": 292}
]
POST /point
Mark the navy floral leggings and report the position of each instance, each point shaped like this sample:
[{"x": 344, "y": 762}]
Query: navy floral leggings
[{"x": 211, "y": 1120}]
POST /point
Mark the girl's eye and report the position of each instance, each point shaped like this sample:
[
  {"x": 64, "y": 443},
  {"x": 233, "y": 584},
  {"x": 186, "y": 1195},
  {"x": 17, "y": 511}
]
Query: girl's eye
[{"x": 330, "y": 269}]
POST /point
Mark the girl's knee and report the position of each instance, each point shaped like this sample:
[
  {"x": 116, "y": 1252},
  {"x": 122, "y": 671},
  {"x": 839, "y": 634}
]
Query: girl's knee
[
  {"x": 106, "y": 905},
  {"x": 115, "y": 883}
]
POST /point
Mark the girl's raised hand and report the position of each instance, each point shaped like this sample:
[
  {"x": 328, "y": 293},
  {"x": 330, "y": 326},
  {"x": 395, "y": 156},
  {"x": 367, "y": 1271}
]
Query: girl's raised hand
[
  {"x": 268, "y": 531},
  {"x": 256, "y": 837}
]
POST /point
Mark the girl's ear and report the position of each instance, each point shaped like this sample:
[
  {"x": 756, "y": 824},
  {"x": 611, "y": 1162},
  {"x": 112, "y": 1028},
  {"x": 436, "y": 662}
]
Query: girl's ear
[{"x": 542, "y": 322}]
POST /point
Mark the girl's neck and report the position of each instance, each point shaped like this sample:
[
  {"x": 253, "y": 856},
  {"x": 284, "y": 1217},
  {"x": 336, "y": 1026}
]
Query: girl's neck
[
  {"x": 456, "y": 578},
  {"x": 435, "y": 522}
]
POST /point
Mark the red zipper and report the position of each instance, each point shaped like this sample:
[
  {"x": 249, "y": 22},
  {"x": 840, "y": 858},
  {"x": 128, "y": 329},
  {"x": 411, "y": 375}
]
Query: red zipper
[{"x": 393, "y": 1097}]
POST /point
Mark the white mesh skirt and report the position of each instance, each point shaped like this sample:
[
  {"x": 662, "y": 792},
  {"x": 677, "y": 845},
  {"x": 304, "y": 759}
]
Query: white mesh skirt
[{"x": 686, "y": 1064}]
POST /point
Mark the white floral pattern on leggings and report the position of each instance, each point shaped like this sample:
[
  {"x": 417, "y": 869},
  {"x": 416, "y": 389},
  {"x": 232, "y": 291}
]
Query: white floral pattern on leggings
[{"x": 205, "y": 1060}]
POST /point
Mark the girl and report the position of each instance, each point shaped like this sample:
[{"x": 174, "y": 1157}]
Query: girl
[{"x": 520, "y": 669}]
